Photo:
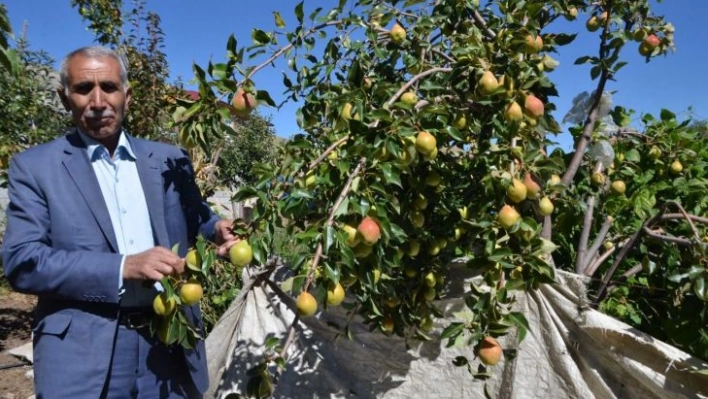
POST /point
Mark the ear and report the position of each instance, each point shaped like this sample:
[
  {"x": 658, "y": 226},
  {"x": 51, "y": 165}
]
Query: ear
[
  {"x": 128, "y": 97},
  {"x": 63, "y": 98}
]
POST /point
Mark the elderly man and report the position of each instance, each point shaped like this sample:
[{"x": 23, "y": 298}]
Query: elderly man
[{"x": 91, "y": 220}]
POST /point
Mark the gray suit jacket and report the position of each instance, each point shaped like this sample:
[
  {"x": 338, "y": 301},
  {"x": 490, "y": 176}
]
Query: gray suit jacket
[{"x": 60, "y": 245}]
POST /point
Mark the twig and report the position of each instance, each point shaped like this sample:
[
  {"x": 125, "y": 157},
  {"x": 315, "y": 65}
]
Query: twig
[
  {"x": 330, "y": 220},
  {"x": 329, "y": 149},
  {"x": 663, "y": 237},
  {"x": 482, "y": 24},
  {"x": 288, "y": 47},
  {"x": 410, "y": 83}
]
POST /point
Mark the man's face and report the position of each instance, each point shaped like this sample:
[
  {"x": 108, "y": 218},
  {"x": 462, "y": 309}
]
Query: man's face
[{"x": 95, "y": 96}]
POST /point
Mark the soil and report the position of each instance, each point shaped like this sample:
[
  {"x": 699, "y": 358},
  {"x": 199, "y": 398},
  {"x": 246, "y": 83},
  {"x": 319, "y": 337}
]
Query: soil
[{"x": 15, "y": 330}]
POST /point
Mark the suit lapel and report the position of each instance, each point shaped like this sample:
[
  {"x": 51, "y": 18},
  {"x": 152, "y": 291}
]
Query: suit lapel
[
  {"x": 151, "y": 179},
  {"x": 81, "y": 172}
]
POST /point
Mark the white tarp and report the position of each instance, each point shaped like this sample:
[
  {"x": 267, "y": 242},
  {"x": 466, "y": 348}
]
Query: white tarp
[{"x": 571, "y": 351}]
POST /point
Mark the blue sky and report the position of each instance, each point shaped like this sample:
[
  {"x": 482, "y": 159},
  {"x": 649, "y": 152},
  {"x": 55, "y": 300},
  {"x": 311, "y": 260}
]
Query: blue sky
[{"x": 197, "y": 30}]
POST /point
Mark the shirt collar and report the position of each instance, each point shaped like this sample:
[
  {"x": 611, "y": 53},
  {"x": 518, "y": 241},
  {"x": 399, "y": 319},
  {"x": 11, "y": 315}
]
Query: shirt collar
[{"x": 96, "y": 150}]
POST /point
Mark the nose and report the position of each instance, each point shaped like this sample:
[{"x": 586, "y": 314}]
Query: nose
[{"x": 98, "y": 98}]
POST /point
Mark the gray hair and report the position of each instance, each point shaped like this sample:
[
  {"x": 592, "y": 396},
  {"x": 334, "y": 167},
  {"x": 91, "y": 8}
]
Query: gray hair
[{"x": 94, "y": 52}]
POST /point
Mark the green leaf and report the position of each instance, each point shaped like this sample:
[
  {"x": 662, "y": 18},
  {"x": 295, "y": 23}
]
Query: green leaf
[
  {"x": 518, "y": 319},
  {"x": 699, "y": 288},
  {"x": 278, "y": 20},
  {"x": 298, "y": 12}
]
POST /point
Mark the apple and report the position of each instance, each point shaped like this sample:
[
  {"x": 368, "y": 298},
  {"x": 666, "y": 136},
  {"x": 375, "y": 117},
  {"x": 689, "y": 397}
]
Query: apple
[
  {"x": 645, "y": 50},
  {"x": 409, "y": 98},
  {"x": 433, "y": 154},
  {"x": 425, "y": 143},
  {"x": 241, "y": 253},
  {"x": 392, "y": 302},
  {"x": 654, "y": 152},
  {"x": 352, "y": 235},
  {"x": 306, "y": 304},
  {"x": 489, "y": 351},
  {"x": 387, "y": 325},
  {"x": 464, "y": 212},
  {"x": 347, "y": 113},
  {"x": 533, "y": 107},
  {"x": 545, "y": 206},
  {"x": 676, "y": 167},
  {"x": 429, "y": 294},
  {"x": 432, "y": 179},
  {"x": 430, "y": 279},
  {"x": 191, "y": 292},
  {"x": 460, "y": 122},
  {"x": 513, "y": 112},
  {"x": 243, "y": 103},
  {"x": 369, "y": 230},
  {"x": 593, "y": 23},
  {"x": 618, "y": 187},
  {"x": 533, "y": 45},
  {"x": 652, "y": 41},
  {"x": 413, "y": 248},
  {"x": 420, "y": 202},
  {"x": 361, "y": 251},
  {"x": 554, "y": 180},
  {"x": 572, "y": 13},
  {"x": 639, "y": 34},
  {"x": 598, "y": 178},
  {"x": 398, "y": 34},
  {"x": 532, "y": 188},
  {"x": 335, "y": 294},
  {"x": 377, "y": 275},
  {"x": 508, "y": 216},
  {"x": 417, "y": 219},
  {"x": 516, "y": 192},
  {"x": 488, "y": 83},
  {"x": 549, "y": 63}
]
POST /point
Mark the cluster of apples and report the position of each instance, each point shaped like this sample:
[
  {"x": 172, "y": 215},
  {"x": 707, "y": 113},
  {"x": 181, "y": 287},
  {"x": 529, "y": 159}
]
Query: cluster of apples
[
  {"x": 522, "y": 190},
  {"x": 361, "y": 239}
]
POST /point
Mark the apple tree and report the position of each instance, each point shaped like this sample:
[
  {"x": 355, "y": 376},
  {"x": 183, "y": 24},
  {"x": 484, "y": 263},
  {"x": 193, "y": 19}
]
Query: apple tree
[{"x": 427, "y": 136}]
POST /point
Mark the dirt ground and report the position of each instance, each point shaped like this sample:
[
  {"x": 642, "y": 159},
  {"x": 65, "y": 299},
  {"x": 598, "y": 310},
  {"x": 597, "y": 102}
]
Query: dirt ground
[{"x": 15, "y": 330}]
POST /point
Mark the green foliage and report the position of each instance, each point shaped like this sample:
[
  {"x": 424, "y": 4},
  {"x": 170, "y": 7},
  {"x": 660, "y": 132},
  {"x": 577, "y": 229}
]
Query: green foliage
[{"x": 30, "y": 110}]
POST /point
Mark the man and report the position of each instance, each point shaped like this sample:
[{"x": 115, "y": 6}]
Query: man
[{"x": 91, "y": 220}]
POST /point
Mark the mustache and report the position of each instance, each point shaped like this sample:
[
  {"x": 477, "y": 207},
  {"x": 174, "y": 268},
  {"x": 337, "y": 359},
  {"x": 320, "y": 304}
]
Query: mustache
[{"x": 93, "y": 114}]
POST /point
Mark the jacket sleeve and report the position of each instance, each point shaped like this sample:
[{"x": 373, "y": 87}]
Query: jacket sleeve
[
  {"x": 33, "y": 264},
  {"x": 201, "y": 219}
]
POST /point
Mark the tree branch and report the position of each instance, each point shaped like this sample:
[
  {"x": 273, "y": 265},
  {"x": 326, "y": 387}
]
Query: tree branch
[
  {"x": 330, "y": 219},
  {"x": 585, "y": 235}
]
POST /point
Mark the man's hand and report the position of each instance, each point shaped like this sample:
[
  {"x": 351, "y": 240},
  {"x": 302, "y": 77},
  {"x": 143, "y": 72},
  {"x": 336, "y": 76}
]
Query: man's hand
[
  {"x": 153, "y": 264},
  {"x": 224, "y": 237}
]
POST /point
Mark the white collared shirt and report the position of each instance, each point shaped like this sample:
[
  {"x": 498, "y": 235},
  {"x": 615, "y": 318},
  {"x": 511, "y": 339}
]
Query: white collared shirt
[{"x": 124, "y": 197}]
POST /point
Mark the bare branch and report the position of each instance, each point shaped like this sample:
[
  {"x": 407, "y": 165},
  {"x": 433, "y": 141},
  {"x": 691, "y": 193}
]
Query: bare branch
[
  {"x": 599, "y": 239},
  {"x": 664, "y": 237},
  {"x": 585, "y": 235}
]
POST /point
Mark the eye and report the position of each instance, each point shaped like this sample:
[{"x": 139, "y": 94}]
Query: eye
[
  {"x": 109, "y": 87},
  {"x": 82, "y": 88}
]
